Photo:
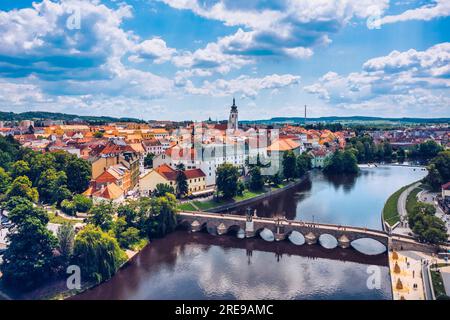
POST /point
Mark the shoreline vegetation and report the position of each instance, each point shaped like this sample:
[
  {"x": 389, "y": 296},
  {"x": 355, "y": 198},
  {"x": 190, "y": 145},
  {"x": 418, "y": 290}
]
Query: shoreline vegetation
[
  {"x": 390, "y": 211},
  {"x": 199, "y": 205}
]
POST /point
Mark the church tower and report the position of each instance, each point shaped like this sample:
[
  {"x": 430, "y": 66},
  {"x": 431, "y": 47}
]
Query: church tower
[{"x": 233, "y": 120}]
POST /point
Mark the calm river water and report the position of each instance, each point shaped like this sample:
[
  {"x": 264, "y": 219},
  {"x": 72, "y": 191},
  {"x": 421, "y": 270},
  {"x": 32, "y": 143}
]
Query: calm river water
[{"x": 202, "y": 266}]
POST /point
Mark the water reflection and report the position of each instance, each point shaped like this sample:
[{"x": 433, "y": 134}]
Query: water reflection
[
  {"x": 355, "y": 200},
  {"x": 201, "y": 266},
  {"x": 347, "y": 182}
]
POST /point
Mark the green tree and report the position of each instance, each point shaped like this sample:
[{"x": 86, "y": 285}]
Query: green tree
[
  {"x": 52, "y": 186},
  {"x": 19, "y": 168},
  {"x": 227, "y": 177},
  {"x": 162, "y": 218},
  {"x": 5, "y": 180},
  {"x": 342, "y": 162},
  {"x": 426, "y": 150},
  {"x": 181, "y": 180},
  {"x": 275, "y": 179},
  {"x": 40, "y": 163},
  {"x": 68, "y": 207},
  {"x": 162, "y": 189},
  {"x": 439, "y": 170},
  {"x": 97, "y": 253},
  {"x": 125, "y": 235},
  {"x": 82, "y": 203},
  {"x": 78, "y": 173},
  {"x": 101, "y": 215},
  {"x": 303, "y": 164},
  {"x": 289, "y": 165},
  {"x": 21, "y": 187},
  {"x": 66, "y": 237},
  {"x": 148, "y": 160},
  {"x": 256, "y": 179},
  {"x": 98, "y": 134},
  {"x": 28, "y": 260}
]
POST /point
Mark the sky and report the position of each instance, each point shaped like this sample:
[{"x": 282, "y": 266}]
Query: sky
[{"x": 187, "y": 59}]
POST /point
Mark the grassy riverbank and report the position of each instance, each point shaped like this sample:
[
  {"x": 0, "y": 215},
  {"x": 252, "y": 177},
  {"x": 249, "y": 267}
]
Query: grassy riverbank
[
  {"x": 411, "y": 200},
  {"x": 390, "y": 212},
  {"x": 195, "y": 205}
]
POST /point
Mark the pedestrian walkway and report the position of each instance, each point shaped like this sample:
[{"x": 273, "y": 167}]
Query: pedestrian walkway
[
  {"x": 406, "y": 275},
  {"x": 403, "y": 227}
]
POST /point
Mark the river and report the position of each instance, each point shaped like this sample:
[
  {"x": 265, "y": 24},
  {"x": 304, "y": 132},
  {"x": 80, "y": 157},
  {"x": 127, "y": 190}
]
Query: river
[{"x": 203, "y": 266}]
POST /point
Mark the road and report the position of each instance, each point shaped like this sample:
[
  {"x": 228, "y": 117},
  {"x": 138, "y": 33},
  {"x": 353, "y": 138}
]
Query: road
[
  {"x": 403, "y": 227},
  {"x": 429, "y": 197}
]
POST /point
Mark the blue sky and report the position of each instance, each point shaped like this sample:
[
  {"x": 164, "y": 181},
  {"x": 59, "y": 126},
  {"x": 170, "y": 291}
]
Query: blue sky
[{"x": 186, "y": 59}]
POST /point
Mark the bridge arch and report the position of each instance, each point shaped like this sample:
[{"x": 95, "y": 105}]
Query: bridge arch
[
  {"x": 266, "y": 234},
  {"x": 328, "y": 241},
  {"x": 296, "y": 237},
  {"x": 368, "y": 246}
]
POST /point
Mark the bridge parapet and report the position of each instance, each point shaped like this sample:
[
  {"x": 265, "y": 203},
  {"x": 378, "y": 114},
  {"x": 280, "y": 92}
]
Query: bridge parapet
[{"x": 281, "y": 228}]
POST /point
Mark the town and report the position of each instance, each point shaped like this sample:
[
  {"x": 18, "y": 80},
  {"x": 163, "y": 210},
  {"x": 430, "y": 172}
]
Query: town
[{"x": 131, "y": 159}]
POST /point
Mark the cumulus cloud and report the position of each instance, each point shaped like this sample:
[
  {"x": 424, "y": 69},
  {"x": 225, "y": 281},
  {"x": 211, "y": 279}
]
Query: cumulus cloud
[
  {"x": 87, "y": 59},
  {"x": 270, "y": 28},
  {"x": 37, "y": 40},
  {"x": 400, "y": 77},
  {"x": 154, "y": 49},
  {"x": 245, "y": 85},
  {"x": 437, "y": 9}
]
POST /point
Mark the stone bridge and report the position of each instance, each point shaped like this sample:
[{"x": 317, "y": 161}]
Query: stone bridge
[{"x": 281, "y": 228}]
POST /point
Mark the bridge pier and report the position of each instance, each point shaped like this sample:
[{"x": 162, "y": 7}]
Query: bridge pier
[
  {"x": 344, "y": 241},
  {"x": 221, "y": 229},
  {"x": 249, "y": 225},
  {"x": 311, "y": 238},
  {"x": 195, "y": 226}
]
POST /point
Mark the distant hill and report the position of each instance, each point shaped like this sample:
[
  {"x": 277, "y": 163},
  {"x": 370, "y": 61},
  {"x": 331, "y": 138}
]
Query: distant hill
[
  {"x": 349, "y": 119},
  {"x": 42, "y": 115}
]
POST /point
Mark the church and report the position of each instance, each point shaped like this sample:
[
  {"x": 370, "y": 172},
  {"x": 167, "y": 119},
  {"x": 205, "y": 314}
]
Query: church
[{"x": 233, "y": 119}]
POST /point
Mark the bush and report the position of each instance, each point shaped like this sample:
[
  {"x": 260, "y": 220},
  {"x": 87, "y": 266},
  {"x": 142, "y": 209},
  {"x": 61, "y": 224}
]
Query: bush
[
  {"x": 82, "y": 203},
  {"x": 68, "y": 207}
]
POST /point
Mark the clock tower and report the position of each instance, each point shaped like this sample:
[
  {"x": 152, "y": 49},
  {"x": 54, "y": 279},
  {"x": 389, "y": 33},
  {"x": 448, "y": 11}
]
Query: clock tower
[{"x": 233, "y": 120}]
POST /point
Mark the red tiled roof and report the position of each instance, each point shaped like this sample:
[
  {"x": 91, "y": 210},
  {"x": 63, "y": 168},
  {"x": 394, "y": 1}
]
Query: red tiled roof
[
  {"x": 105, "y": 177},
  {"x": 446, "y": 186},
  {"x": 112, "y": 148},
  {"x": 194, "y": 173},
  {"x": 171, "y": 174}
]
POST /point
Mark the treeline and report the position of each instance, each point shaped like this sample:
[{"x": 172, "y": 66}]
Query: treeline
[
  {"x": 229, "y": 185},
  {"x": 342, "y": 162},
  {"x": 425, "y": 224},
  {"x": 438, "y": 171},
  {"x": 366, "y": 150},
  {"x": 42, "y": 115},
  {"x": 47, "y": 178}
]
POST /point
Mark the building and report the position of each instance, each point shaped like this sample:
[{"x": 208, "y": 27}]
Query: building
[
  {"x": 319, "y": 157},
  {"x": 164, "y": 174},
  {"x": 233, "y": 119},
  {"x": 117, "y": 152}
]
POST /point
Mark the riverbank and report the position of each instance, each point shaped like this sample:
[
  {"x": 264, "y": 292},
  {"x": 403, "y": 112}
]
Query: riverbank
[
  {"x": 247, "y": 198},
  {"x": 394, "y": 208}
]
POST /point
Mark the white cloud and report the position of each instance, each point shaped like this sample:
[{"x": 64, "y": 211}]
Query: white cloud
[
  {"x": 154, "y": 49},
  {"x": 45, "y": 53},
  {"x": 37, "y": 41},
  {"x": 400, "y": 78},
  {"x": 245, "y": 85},
  {"x": 439, "y": 8},
  {"x": 281, "y": 27}
]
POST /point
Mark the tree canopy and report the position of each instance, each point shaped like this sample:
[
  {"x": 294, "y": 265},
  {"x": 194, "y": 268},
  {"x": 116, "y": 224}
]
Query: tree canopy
[{"x": 227, "y": 177}]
